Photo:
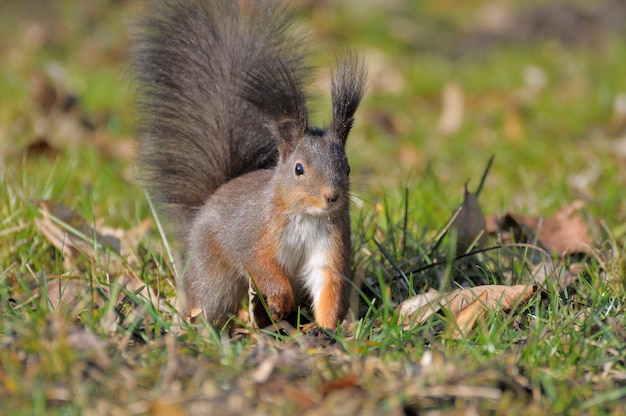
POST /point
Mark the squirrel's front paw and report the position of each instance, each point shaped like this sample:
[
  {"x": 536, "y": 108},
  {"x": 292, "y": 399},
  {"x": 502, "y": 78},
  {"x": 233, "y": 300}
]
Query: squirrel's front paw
[
  {"x": 275, "y": 308},
  {"x": 281, "y": 304}
]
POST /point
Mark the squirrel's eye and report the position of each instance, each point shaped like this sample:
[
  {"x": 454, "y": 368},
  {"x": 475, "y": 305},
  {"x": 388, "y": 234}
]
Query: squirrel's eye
[
  {"x": 348, "y": 170},
  {"x": 299, "y": 169}
]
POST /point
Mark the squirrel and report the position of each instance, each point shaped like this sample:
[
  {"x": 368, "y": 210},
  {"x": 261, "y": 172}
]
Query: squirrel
[{"x": 225, "y": 147}]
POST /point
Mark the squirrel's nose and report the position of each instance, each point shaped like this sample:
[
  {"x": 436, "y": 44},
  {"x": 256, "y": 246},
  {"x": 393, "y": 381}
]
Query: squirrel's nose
[{"x": 331, "y": 196}]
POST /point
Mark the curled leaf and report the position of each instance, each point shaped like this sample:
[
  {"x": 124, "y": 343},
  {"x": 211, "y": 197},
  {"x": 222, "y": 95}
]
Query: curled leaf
[
  {"x": 467, "y": 317},
  {"x": 461, "y": 303}
]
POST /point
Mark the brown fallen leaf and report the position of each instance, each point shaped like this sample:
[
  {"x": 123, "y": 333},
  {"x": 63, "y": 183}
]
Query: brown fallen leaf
[
  {"x": 69, "y": 232},
  {"x": 41, "y": 147},
  {"x": 74, "y": 237},
  {"x": 469, "y": 224},
  {"x": 68, "y": 291},
  {"x": 467, "y": 317},
  {"x": 498, "y": 296},
  {"x": 190, "y": 316},
  {"x": 42, "y": 92},
  {"x": 303, "y": 397},
  {"x": 417, "y": 309},
  {"x": 564, "y": 234},
  {"x": 547, "y": 270},
  {"x": 350, "y": 381},
  {"x": 411, "y": 306},
  {"x": 72, "y": 234}
]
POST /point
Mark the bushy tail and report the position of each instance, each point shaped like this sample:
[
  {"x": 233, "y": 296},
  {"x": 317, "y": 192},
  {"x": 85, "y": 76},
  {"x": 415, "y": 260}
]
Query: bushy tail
[{"x": 189, "y": 59}]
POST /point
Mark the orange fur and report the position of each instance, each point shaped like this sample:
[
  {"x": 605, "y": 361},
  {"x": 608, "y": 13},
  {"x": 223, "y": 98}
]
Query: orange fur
[
  {"x": 333, "y": 300},
  {"x": 328, "y": 310},
  {"x": 271, "y": 278}
]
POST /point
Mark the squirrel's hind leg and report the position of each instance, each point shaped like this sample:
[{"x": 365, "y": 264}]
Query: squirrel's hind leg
[{"x": 215, "y": 287}]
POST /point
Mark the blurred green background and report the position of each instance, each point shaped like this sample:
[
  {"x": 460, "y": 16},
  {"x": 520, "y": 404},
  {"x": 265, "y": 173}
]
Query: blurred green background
[{"x": 538, "y": 84}]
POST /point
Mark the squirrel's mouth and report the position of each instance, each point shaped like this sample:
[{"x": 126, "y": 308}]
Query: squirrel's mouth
[{"x": 324, "y": 206}]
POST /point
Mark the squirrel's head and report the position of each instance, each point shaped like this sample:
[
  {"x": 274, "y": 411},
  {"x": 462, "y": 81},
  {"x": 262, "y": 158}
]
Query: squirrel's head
[
  {"x": 313, "y": 177},
  {"x": 313, "y": 170}
]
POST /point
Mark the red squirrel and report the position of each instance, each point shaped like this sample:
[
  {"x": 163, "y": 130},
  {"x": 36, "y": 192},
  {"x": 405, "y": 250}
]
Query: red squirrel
[{"x": 227, "y": 150}]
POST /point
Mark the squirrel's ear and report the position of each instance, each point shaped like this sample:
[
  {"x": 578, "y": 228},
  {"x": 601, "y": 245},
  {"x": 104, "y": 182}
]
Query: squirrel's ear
[
  {"x": 347, "y": 88},
  {"x": 288, "y": 133}
]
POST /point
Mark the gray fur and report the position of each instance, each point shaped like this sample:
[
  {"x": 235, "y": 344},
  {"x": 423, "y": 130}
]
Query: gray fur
[{"x": 189, "y": 60}]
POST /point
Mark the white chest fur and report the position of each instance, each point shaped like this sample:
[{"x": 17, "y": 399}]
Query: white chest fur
[{"x": 303, "y": 253}]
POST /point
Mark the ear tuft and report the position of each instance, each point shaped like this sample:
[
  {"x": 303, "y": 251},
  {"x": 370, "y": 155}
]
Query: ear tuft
[{"x": 347, "y": 89}]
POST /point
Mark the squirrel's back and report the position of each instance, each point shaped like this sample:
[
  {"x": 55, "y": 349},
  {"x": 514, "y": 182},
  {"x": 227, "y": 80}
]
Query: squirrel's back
[{"x": 190, "y": 58}]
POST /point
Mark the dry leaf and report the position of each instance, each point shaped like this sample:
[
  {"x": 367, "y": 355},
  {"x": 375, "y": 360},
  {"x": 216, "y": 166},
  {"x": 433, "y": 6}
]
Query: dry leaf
[
  {"x": 57, "y": 226},
  {"x": 417, "y": 309},
  {"x": 264, "y": 370},
  {"x": 67, "y": 291},
  {"x": 41, "y": 147},
  {"x": 566, "y": 233},
  {"x": 467, "y": 317},
  {"x": 192, "y": 314},
  {"x": 563, "y": 234},
  {"x": 411, "y": 306},
  {"x": 72, "y": 234},
  {"x": 546, "y": 269},
  {"x": 84, "y": 340},
  {"x": 161, "y": 407},
  {"x": 469, "y": 224},
  {"x": 303, "y": 397},
  {"x": 42, "y": 92},
  {"x": 451, "y": 116},
  {"x": 351, "y": 381},
  {"x": 498, "y": 296}
]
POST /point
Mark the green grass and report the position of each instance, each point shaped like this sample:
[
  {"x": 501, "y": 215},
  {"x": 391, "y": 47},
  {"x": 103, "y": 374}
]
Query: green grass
[{"x": 111, "y": 350}]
